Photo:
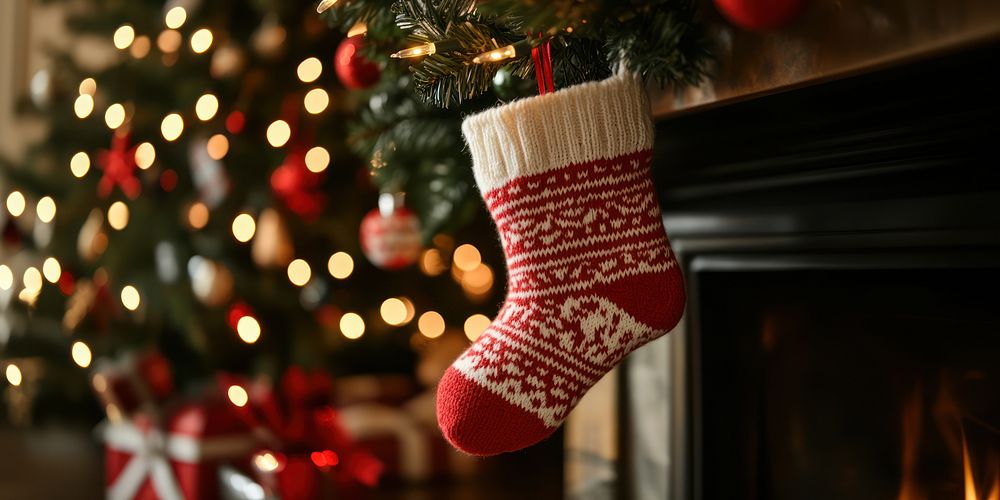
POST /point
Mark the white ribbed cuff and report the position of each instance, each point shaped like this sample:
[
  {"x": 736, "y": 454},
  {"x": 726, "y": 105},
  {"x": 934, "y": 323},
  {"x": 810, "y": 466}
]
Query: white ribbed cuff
[{"x": 587, "y": 122}]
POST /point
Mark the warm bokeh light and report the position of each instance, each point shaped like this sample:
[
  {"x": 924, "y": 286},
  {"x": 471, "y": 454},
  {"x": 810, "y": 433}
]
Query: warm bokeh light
[
  {"x": 248, "y": 329},
  {"x": 81, "y": 354},
  {"x": 316, "y": 101},
  {"x": 175, "y": 17},
  {"x": 114, "y": 116},
  {"x": 352, "y": 326},
  {"x": 431, "y": 324},
  {"x": 325, "y": 5},
  {"x": 118, "y": 215},
  {"x": 46, "y": 209},
  {"x": 83, "y": 105},
  {"x": 479, "y": 280},
  {"x": 238, "y": 395},
  {"x": 317, "y": 159},
  {"x": 32, "y": 279},
  {"x": 393, "y": 311},
  {"x": 88, "y": 86},
  {"x": 169, "y": 41},
  {"x": 13, "y": 375},
  {"x": 201, "y": 40},
  {"x": 6, "y": 277},
  {"x": 15, "y": 203},
  {"x": 410, "y": 310},
  {"x": 140, "y": 47},
  {"x": 309, "y": 70},
  {"x": 130, "y": 297},
  {"x": 198, "y": 215},
  {"x": 359, "y": 28},
  {"x": 244, "y": 227},
  {"x": 206, "y": 107},
  {"x": 299, "y": 272},
  {"x": 475, "y": 325},
  {"x": 431, "y": 262},
  {"x": 51, "y": 270},
  {"x": 217, "y": 146},
  {"x": 340, "y": 265},
  {"x": 278, "y": 133},
  {"x": 467, "y": 257},
  {"x": 79, "y": 165},
  {"x": 145, "y": 155},
  {"x": 172, "y": 126},
  {"x": 124, "y": 36},
  {"x": 265, "y": 462}
]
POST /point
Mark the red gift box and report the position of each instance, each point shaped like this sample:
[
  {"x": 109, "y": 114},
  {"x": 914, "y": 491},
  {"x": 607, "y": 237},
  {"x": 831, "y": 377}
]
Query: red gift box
[{"x": 177, "y": 459}]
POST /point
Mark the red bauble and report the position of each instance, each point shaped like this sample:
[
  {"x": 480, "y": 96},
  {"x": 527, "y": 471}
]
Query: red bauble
[
  {"x": 759, "y": 15},
  {"x": 353, "y": 70},
  {"x": 391, "y": 242},
  {"x": 299, "y": 188}
]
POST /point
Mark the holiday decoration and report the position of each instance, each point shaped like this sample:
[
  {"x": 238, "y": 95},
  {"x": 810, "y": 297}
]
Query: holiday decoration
[
  {"x": 581, "y": 228},
  {"x": 93, "y": 238},
  {"x": 118, "y": 164},
  {"x": 390, "y": 234},
  {"x": 272, "y": 243},
  {"x": 207, "y": 173},
  {"x": 40, "y": 88},
  {"x": 353, "y": 70},
  {"x": 89, "y": 299},
  {"x": 211, "y": 282},
  {"x": 268, "y": 40},
  {"x": 760, "y": 15},
  {"x": 139, "y": 381},
  {"x": 297, "y": 186},
  {"x": 227, "y": 61}
]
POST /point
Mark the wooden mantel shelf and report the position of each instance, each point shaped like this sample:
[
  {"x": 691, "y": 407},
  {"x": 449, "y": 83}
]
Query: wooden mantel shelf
[{"x": 831, "y": 39}]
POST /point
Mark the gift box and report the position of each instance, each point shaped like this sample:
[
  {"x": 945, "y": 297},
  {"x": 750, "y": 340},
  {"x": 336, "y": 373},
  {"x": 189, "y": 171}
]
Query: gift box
[
  {"x": 135, "y": 382},
  {"x": 176, "y": 455}
]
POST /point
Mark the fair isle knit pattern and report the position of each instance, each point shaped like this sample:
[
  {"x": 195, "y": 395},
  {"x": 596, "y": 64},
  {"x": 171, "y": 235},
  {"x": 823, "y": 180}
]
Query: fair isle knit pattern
[{"x": 591, "y": 276}]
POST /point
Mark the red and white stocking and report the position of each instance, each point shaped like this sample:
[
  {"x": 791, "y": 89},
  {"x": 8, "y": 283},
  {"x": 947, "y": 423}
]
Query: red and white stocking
[{"x": 591, "y": 277}]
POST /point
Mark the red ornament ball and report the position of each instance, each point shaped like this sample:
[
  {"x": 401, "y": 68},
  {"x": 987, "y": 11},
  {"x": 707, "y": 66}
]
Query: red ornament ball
[
  {"x": 353, "y": 70},
  {"x": 760, "y": 15},
  {"x": 391, "y": 242}
]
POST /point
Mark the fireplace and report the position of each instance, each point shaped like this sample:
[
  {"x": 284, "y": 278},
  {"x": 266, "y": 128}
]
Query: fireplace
[{"x": 841, "y": 245}]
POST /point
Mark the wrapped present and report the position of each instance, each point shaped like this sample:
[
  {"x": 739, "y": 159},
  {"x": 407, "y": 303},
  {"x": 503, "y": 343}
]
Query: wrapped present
[
  {"x": 175, "y": 456},
  {"x": 137, "y": 381}
]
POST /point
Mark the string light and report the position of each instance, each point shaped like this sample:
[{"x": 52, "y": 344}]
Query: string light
[
  {"x": 13, "y": 375},
  {"x": 130, "y": 297},
  {"x": 467, "y": 257},
  {"x": 475, "y": 325},
  {"x": 118, "y": 215},
  {"x": 169, "y": 41},
  {"x": 88, "y": 86},
  {"x": 426, "y": 49},
  {"x": 172, "y": 126},
  {"x": 248, "y": 329},
  {"x": 175, "y": 17},
  {"x": 114, "y": 116},
  {"x": 201, "y": 40},
  {"x": 238, "y": 396},
  {"x": 46, "y": 209},
  {"x": 140, "y": 47},
  {"x": 316, "y": 101},
  {"x": 79, "y": 164},
  {"x": 217, "y": 147},
  {"x": 359, "y": 28},
  {"x": 299, "y": 272},
  {"x": 15, "y": 203},
  {"x": 32, "y": 280},
  {"x": 145, "y": 155},
  {"x": 198, "y": 215},
  {"x": 6, "y": 277},
  {"x": 309, "y": 70},
  {"x": 278, "y": 133},
  {"x": 340, "y": 265},
  {"x": 352, "y": 325},
  {"x": 81, "y": 354},
  {"x": 206, "y": 107},
  {"x": 83, "y": 105},
  {"x": 51, "y": 270},
  {"x": 431, "y": 324},
  {"x": 496, "y": 55},
  {"x": 393, "y": 311},
  {"x": 317, "y": 159},
  {"x": 124, "y": 36},
  {"x": 244, "y": 227},
  {"x": 266, "y": 462},
  {"x": 325, "y": 5}
]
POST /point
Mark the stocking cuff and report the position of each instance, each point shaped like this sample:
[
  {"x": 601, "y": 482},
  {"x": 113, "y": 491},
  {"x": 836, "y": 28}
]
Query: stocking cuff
[{"x": 583, "y": 123}]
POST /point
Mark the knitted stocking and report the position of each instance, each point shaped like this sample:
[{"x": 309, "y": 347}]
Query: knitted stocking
[{"x": 591, "y": 276}]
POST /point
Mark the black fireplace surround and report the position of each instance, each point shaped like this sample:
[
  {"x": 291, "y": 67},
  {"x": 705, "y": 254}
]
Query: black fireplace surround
[{"x": 841, "y": 247}]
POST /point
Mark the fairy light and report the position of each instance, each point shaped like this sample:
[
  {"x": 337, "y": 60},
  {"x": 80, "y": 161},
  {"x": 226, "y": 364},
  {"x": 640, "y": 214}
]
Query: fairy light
[
  {"x": 266, "y": 462},
  {"x": 198, "y": 215},
  {"x": 475, "y": 325},
  {"x": 51, "y": 270},
  {"x": 317, "y": 159},
  {"x": 81, "y": 354},
  {"x": 124, "y": 36},
  {"x": 32, "y": 280},
  {"x": 325, "y": 5},
  {"x": 431, "y": 324},
  {"x": 217, "y": 147},
  {"x": 238, "y": 395},
  {"x": 309, "y": 70},
  {"x": 130, "y": 297},
  {"x": 316, "y": 101},
  {"x": 206, "y": 107},
  {"x": 248, "y": 329},
  {"x": 467, "y": 257},
  {"x": 418, "y": 51},
  {"x": 359, "y": 28},
  {"x": 83, "y": 105},
  {"x": 145, "y": 155},
  {"x": 6, "y": 277},
  {"x": 340, "y": 265},
  {"x": 299, "y": 272},
  {"x": 393, "y": 311},
  {"x": 140, "y": 47},
  {"x": 16, "y": 203},
  {"x": 244, "y": 227},
  {"x": 118, "y": 215},
  {"x": 175, "y": 17},
  {"x": 201, "y": 40},
  {"x": 46, "y": 209},
  {"x": 88, "y": 86},
  {"x": 172, "y": 126},
  {"x": 13, "y": 375},
  {"x": 278, "y": 133},
  {"x": 352, "y": 325},
  {"x": 79, "y": 164},
  {"x": 496, "y": 55},
  {"x": 114, "y": 116},
  {"x": 168, "y": 41}
]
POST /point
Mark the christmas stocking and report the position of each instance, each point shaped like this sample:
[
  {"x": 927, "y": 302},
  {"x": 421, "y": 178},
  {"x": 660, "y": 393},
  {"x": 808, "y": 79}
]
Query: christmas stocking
[{"x": 591, "y": 277}]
